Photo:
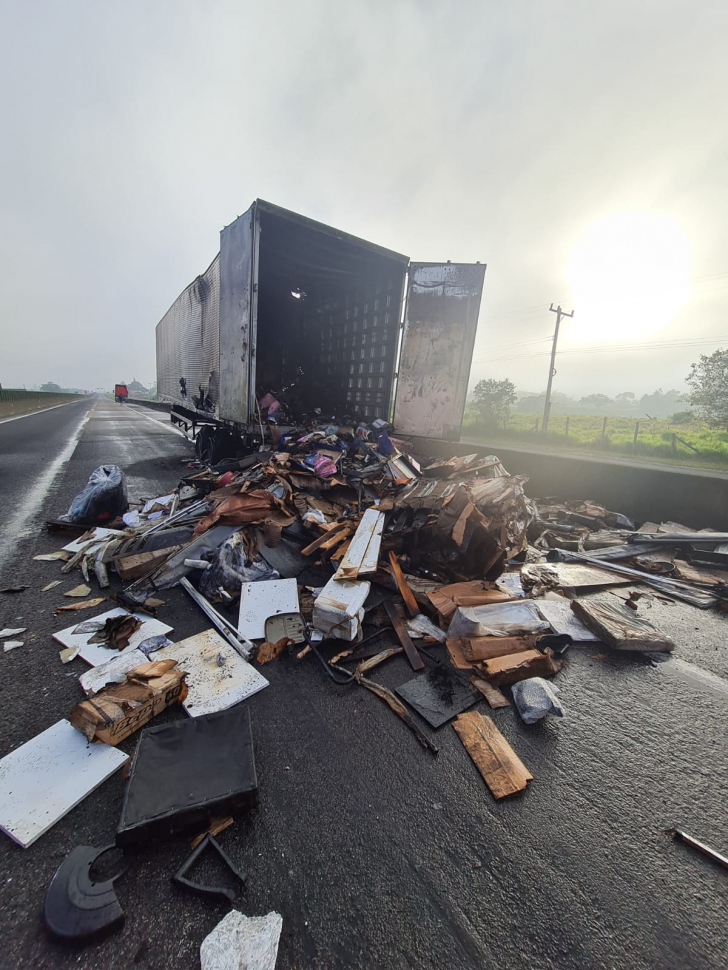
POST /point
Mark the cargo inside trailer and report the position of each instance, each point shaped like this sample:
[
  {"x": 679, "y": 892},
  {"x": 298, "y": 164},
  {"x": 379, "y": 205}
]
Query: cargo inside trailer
[{"x": 328, "y": 315}]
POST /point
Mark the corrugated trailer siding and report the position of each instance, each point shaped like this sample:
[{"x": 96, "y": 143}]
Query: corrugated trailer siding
[{"x": 188, "y": 341}]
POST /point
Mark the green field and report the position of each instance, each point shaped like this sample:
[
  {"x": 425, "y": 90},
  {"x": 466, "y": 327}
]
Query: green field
[{"x": 657, "y": 438}]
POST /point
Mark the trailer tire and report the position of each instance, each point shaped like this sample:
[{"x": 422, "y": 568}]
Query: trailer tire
[
  {"x": 213, "y": 445},
  {"x": 204, "y": 444}
]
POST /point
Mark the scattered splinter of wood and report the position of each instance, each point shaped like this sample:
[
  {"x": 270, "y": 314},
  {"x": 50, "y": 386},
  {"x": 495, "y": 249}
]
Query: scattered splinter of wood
[
  {"x": 399, "y": 709},
  {"x": 495, "y": 697},
  {"x": 341, "y": 529},
  {"x": 502, "y": 770},
  {"x": 216, "y": 826},
  {"x": 416, "y": 661},
  {"x": 378, "y": 658},
  {"x": 405, "y": 592}
]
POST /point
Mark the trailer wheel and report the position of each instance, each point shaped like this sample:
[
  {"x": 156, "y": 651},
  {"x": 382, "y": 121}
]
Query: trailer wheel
[
  {"x": 213, "y": 445},
  {"x": 204, "y": 444}
]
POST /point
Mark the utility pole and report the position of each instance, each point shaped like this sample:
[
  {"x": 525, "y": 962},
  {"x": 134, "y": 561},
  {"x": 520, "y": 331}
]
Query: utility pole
[{"x": 552, "y": 370}]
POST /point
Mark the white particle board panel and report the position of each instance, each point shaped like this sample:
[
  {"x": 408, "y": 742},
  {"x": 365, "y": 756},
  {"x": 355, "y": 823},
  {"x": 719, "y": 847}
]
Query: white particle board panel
[
  {"x": 96, "y": 653},
  {"x": 265, "y": 598},
  {"x": 217, "y": 676},
  {"x": 43, "y": 779}
]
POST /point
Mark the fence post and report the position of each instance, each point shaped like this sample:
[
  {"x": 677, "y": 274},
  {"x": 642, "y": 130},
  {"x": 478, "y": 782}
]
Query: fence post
[
  {"x": 674, "y": 444},
  {"x": 536, "y": 426},
  {"x": 636, "y": 432},
  {"x": 604, "y": 429},
  {"x": 566, "y": 429}
]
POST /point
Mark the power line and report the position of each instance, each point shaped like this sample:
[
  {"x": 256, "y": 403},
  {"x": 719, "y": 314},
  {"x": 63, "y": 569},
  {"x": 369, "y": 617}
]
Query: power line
[{"x": 609, "y": 349}]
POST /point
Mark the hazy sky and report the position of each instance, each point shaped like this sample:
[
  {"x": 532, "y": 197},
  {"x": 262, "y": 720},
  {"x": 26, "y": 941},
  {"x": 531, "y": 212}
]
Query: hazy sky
[{"x": 473, "y": 130}]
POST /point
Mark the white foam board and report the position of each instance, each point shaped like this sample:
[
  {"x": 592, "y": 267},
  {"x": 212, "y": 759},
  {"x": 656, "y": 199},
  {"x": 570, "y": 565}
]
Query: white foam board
[
  {"x": 43, "y": 779},
  {"x": 96, "y": 653},
  {"x": 217, "y": 676},
  {"x": 265, "y": 598}
]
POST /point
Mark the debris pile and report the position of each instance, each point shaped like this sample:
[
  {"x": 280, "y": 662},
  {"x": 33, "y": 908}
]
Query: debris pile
[{"x": 345, "y": 549}]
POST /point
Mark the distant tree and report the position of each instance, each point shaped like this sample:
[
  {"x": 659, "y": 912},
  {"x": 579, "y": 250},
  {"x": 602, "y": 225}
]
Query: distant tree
[
  {"x": 708, "y": 382},
  {"x": 682, "y": 417},
  {"x": 530, "y": 403},
  {"x": 596, "y": 400},
  {"x": 660, "y": 403},
  {"x": 494, "y": 399},
  {"x": 626, "y": 397},
  {"x": 50, "y": 386}
]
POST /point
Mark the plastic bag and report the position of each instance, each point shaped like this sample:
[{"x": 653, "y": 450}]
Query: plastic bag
[
  {"x": 497, "y": 620},
  {"x": 231, "y": 568},
  {"x": 103, "y": 499},
  {"x": 535, "y": 698},
  {"x": 422, "y": 626}
]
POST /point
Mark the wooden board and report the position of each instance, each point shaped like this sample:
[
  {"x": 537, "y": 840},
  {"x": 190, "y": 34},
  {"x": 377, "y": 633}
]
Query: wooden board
[
  {"x": 502, "y": 770},
  {"x": 410, "y": 603},
  {"x": 340, "y": 529},
  {"x": 363, "y": 553},
  {"x": 620, "y": 627},
  {"x": 416, "y": 661},
  {"x": 141, "y": 563},
  {"x": 370, "y": 562},
  {"x": 494, "y": 697}
]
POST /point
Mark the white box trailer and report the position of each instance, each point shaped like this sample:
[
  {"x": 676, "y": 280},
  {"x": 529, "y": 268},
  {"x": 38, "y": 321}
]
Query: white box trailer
[{"x": 340, "y": 323}]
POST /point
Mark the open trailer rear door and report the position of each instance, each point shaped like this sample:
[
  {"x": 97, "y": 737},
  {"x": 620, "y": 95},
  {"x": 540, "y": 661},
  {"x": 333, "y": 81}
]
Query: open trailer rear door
[
  {"x": 441, "y": 317},
  {"x": 238, "y": 305}
]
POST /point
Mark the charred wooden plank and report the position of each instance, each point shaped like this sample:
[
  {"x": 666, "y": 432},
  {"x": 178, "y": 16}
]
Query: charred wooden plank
[{"x": 416, "y": 661}]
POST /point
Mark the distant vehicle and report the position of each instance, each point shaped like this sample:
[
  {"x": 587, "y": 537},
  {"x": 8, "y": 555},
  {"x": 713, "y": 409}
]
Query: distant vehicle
[
  {"x": 120, "y": 393},
  {"x": 340, "y": 325}
]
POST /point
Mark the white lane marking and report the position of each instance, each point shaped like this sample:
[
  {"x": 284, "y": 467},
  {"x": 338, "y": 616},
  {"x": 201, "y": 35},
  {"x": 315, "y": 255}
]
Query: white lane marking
[
  {"x": 21, "y": 522},
  {"x": 159, "y": 423},
  {"x": 697, "y": 675},
  {"x": 29, "y": 414}
]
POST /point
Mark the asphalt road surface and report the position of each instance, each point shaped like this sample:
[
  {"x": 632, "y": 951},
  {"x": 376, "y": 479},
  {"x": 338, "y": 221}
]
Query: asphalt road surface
[{"x": 377, "y": 853}]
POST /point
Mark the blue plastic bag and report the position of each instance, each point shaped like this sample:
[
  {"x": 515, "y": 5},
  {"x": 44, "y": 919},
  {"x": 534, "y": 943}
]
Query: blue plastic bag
[{"x": 102, "y": 500}]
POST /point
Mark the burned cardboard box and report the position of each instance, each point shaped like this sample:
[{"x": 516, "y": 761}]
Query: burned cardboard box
[{"x": 118, "y": 710}]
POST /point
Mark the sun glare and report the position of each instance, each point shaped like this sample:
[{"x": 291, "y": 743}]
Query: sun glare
[{"x": 628, "y": 276}]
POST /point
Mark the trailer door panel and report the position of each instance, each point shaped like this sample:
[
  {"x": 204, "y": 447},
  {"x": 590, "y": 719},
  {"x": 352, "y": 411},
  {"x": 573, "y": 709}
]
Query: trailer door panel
[
  {"x": 441, "y": 318},
  {"x": 238, "y": 298}
]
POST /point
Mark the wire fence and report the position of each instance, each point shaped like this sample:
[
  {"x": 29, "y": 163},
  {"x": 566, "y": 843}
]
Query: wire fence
[{"x": 692, "y": 443}]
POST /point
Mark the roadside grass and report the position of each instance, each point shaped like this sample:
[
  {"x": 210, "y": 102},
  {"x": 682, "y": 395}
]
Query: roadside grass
[{"x": 657, "y": 438}]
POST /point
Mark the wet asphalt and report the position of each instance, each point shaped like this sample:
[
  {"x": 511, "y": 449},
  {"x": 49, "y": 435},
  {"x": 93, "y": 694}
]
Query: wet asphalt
[{"x": 377, "y": 853}]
